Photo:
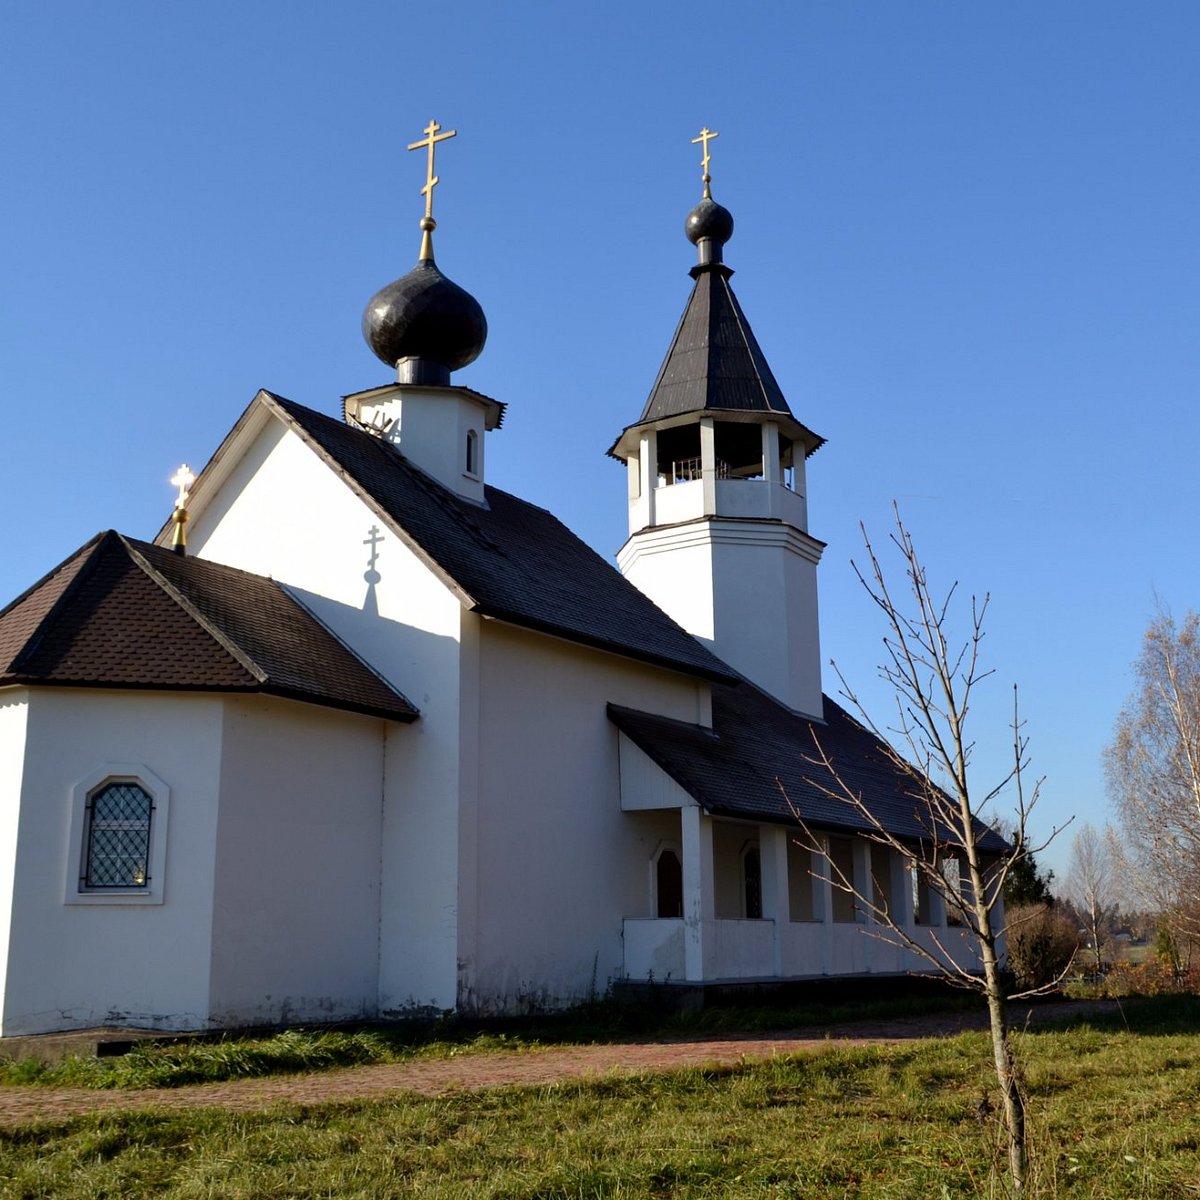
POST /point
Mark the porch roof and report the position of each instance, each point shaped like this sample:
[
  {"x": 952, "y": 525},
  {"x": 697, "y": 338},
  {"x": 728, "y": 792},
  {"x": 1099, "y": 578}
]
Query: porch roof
[{"x": 761, "y": 761}]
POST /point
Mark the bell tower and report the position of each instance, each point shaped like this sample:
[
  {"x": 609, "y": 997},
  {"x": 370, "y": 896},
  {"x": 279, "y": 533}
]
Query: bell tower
[{"x": 718, "y": 515}]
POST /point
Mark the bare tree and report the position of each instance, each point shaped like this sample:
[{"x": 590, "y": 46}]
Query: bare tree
[
  {"x": 934, "y": 679},
  {"x": 1153, "y": 767},
  {"x": 1091, "y": 887}
]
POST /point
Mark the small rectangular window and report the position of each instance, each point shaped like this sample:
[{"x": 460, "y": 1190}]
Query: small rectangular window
[{"x": 117, "y": 846}]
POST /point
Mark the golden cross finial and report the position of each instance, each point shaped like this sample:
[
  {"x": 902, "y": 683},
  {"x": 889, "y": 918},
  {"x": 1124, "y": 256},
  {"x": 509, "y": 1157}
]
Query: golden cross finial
[
  {"x": 183, "y": 480},
  {"x": 706, "y": 136},
  {"x": 431, "y": 139}
]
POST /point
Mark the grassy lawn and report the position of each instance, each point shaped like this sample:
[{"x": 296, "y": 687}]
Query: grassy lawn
[{"x": 1116, "y": 1113}]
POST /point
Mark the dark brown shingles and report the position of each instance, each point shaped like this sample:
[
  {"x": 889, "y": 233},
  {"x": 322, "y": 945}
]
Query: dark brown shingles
[
  {"x": 130, "y": 614},
  {"x": 760, "y": 761},
  {"x": 19, "y": 620},
  {"x": 284, "y": 644},
  {"x": 509, "y": 559}
]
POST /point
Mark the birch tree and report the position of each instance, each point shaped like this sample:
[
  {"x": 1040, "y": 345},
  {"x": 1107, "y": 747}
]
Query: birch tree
[
  {"x": 1153, "y": 768},
  {"x": 934, "y": 677},
  {"x": 1091, "y": 888}
]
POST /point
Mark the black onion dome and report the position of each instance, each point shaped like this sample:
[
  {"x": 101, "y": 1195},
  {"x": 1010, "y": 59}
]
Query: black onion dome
[
  {"x": 709, "y": 220},
  {"x": 423, "y": 315}
]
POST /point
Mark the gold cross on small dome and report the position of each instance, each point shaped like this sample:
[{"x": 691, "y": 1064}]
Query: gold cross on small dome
[
  {"x": 431, "y": 139},
  {"x": 706, "y": 136}
]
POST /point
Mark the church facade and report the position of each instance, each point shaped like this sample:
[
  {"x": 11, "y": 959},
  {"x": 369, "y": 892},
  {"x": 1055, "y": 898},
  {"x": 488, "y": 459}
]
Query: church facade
[{"x": 420, "y": 749}]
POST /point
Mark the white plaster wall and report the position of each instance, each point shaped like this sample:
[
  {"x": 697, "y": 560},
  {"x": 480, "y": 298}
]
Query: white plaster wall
[
  {"x": 14, "y": 709},
  {"x": 645, "y": 785},
  {"x": 655, "y": 830},
  {"x": 297, "y": 882},
  {"x": 748, "y": 589},
  {"x": 674, "y": 568},
  {"x": 74, "y": 966},
  {"x": 283, "y": 513},
  {"x": 729, "y": 841},
  {"x": 559, "y": 864},
  {"x": 765, "y": 601}
]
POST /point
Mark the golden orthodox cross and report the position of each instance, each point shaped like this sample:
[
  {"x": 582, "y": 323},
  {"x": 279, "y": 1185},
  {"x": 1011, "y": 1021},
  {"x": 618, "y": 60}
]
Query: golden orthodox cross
[
  {"x": 431, "y": 139},
  {"x": 706, "y": 136}
]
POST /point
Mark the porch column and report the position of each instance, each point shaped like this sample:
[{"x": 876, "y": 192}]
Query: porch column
[
  {"x": 698, "y": 907},
  {"x": 776, "y": 898},
  {"x": 902, "y": 906},
  {"x": 823, "y": 899},
  {"x": 864, "y": 883},
  {"x": 902, "y": 902}
]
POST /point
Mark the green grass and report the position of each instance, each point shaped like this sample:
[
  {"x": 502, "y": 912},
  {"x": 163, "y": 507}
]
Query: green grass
[
  {"x": 1115, "y": 1114},
  {"x": 205, "y": 1061}
]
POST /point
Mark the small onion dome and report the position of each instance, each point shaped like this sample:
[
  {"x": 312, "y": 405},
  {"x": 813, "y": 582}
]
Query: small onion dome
[
  {"x": 426, "y": 317},
  {"x": 709, "y": 220}
]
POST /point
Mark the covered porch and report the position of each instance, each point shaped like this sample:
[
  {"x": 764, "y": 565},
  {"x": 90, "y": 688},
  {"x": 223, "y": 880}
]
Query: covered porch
[{"x": 740, "y": 901}]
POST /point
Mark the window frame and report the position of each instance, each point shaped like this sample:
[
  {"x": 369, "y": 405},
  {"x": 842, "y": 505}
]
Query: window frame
[
  {"x": 471, "y": 465},
  {"x": 75, "y": 891}
]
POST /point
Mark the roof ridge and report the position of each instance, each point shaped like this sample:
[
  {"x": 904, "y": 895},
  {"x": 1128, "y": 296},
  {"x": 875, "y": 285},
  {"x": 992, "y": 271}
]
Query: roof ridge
[
  {"x": 687, "y": 308},
  {"x": 33, "y": 641},
  {"x": 218, "y": 635},
  {"x": 751, "y": 343}
]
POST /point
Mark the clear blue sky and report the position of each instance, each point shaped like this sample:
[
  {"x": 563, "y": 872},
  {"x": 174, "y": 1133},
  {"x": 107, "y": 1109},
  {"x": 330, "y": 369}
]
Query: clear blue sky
[{"x": 966, "y": 238}]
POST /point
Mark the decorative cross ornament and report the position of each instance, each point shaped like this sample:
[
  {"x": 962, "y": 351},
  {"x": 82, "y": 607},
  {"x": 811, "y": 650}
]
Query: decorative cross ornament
[
  {"x": 183, "y": 480},
  {"x": 431, "y": 139},
  {"x": 706, "y": 136}
]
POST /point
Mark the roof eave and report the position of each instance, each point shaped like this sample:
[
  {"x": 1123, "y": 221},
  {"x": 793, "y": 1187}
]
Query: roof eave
[{"x": 627, "y": 442}]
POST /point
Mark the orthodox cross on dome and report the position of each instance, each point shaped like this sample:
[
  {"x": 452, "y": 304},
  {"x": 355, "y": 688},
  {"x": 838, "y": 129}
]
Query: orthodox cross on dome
[
  {"x": 433, "y": 135},
  {"x": 706, "y": 136}
]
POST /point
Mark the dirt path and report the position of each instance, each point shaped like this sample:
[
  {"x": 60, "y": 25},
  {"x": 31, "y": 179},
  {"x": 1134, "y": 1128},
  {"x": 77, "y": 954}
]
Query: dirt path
[{"x": 439, "y": 1077}]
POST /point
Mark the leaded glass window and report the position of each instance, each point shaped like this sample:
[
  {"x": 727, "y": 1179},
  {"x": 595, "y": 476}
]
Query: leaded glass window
[{"x": 117, "y": 851}]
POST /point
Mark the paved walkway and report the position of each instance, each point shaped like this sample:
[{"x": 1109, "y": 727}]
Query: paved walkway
[{"x": 440, "y": 1077}]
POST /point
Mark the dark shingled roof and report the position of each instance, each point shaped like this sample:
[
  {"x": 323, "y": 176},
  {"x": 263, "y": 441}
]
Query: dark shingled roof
[
  {"x": 507, "y": 559},
  {"x": 122, "y": 613},
  {"x": 714, "y": 361},
  {"x": 756, "y": 763}
]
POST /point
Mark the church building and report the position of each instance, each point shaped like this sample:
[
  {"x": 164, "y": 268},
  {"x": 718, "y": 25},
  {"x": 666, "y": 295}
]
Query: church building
[{"x": 422, "y": 749}]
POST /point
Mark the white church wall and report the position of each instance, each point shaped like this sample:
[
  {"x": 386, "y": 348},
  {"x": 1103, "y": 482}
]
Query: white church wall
[
  {"x": 559, "y": 864},
  {"x": 74, "y": 965},
  {"x": 283, "y": 512},
  {"x": 297, "y": 883},
  {"x": 673, "y": 566},
  {"x": 765, "y": 584},
  {"x": 14, "y": 710},
  {"x": 748, "y": 589}
]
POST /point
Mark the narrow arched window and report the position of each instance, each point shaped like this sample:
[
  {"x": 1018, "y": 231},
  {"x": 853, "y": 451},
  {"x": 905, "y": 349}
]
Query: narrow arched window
[
  {"x": 472, "y": 467},
  {"x": 668, "y": 885},
  {"x": 117, "y": 838}
]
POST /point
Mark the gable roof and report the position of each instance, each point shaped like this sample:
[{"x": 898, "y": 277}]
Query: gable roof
[
  {"x": 127, "y": 614},
  {"x": 755, "y": 763},
  {"x": 506, "y": 559}
]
